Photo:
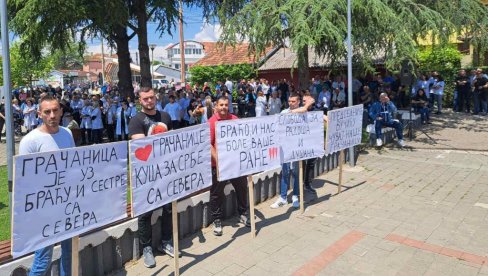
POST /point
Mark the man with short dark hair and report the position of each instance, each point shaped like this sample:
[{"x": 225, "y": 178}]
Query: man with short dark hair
[
  {"x": 480, "y": 84},
  {"x": 292, "y": 167},
  {"x": 463, "y": 86},
  {"x": 140, "y": 126},
  {"x": 217, "y": 189},
  {"x": 174, "y": 111},
  {"x": 50, "y": 136}
]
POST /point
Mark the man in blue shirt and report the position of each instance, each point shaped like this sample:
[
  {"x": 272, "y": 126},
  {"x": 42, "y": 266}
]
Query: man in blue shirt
[{"x": 382, "y": 113}]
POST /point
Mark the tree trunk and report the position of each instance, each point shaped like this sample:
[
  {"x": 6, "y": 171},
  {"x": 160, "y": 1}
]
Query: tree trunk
[
  {"x": 477, "y": 55},
  {"x": 303, "y": 70},
  {"x": 124, "y": 74},
  {"x": 145, "y": 62}
]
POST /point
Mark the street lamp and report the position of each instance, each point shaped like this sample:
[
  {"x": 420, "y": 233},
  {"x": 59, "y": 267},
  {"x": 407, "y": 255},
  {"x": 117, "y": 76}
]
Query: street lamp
[{"x": 152, "y": 46}]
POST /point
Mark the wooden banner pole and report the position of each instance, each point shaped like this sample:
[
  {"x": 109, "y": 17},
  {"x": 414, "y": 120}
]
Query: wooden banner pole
[
  {"x": 250, "y": 186},
  {"x": 300, "y": 183},
  {"x": 174, "y": 215},
  {"x": 341, "y": 162},
  {"x": 75, "y": 255}
]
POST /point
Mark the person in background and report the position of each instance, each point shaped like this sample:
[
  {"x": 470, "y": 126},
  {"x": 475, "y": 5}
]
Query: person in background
[
  {"x": 29, "y": 115},
  {"x": 421, "y": 104},
  {"x": 382, "y": 112},
  {"x": 86, "y": 123},
  {"x": 438, "y": 89},
  {"x": 274, "y": 103},
  {"x": 110, "y": 110},
  {"x": 97, "y": 123},
  {"x": 174, "y": 111},
  {"x": 2, "y": 117},
  {"x": 122, "y": 122},
  {"x": 260, "y": 105},
  {"x": 73, "y": 126}
]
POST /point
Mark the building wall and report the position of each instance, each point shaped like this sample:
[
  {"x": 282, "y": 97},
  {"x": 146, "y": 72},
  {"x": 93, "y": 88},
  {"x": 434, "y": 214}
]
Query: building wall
[{"x": 193, "y": 52}]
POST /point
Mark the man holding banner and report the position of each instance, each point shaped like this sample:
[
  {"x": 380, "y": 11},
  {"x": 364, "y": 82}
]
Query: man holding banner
[
  {"x": 294, "y": 107},
  {"x": 49, "y": 137},
  {"x": 217, "y": 190},
  {"x": 147, "y": 122}
]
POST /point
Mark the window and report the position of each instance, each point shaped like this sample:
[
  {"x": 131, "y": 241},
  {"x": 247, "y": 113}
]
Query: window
[
  {"x": 188, "y": 51},
  {"x": 177, "y": 66}
]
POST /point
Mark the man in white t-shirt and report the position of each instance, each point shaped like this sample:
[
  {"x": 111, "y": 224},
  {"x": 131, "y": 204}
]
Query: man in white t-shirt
[
  {"x": 229, "y": 85},
  {"x": 49, "y": 137}
]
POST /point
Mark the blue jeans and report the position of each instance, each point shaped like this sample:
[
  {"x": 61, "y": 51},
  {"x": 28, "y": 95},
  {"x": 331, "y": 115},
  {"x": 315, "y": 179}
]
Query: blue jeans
[
  {"x": 424, "y": 113},
  {"x": 285, "y": 178},
  {"x": 394, "y": 124},
  {"x": 438, "y": 99},
  {"x": 43, "y": 258}
]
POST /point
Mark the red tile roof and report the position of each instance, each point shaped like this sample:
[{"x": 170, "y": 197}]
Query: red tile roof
[{"x": 220, "y": 55}]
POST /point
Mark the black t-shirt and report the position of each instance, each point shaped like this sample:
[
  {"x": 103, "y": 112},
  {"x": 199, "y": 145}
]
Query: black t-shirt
[
  {"x": 141, "y": 123},
  {"x": 465, "y": 86},
  {"x": 480, "y": 82}
]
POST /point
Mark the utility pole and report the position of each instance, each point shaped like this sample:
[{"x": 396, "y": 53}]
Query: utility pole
[
  {"x": 182, "y": 45},
  {"x": 103, "y": 64},
  {"x": 7, "y": 92},
  {"x": 152, "y": 47},
  {"x": 349, "y": 71}
]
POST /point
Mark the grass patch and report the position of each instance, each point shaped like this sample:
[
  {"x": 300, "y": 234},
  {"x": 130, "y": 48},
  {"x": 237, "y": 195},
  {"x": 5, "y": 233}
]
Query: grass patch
[{"x": 4, "y": 210}]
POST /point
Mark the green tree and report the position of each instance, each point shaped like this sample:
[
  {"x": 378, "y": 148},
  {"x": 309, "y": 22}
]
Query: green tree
[
  {"x": 71, "y": 58},
  {"x": 385, "y": 29},
  {"x": 25, "y": 68},
  {"x": 213, "y": 74}
]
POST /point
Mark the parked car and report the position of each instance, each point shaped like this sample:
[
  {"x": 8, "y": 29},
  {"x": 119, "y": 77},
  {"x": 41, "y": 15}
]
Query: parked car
[{"x": 160, "y": 84}]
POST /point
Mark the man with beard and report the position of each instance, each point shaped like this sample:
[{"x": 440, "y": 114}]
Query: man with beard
[{"x": 139, "y": 127}]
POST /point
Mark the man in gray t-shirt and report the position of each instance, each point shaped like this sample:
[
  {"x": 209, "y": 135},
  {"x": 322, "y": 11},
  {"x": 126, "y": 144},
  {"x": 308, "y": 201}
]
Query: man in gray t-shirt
[{"x": 49, "y": 137}]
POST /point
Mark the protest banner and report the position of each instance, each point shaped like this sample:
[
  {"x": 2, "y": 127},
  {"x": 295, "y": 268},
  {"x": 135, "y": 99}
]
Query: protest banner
[
  {"x": 301, "y": 135},
  {"x": 344, "y": 128},
  {"x": 246, "y": 146},
  {"x": 169, "y": 166},
  {"x": 62, "y": 194}
]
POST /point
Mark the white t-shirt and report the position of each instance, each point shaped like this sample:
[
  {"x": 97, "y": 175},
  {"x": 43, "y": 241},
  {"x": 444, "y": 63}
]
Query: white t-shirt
[{"x": 38, "y": 141}]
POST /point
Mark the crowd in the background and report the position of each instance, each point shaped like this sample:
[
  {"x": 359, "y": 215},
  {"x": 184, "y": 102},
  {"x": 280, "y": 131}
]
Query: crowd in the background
[{"x": 99, "y": 113}]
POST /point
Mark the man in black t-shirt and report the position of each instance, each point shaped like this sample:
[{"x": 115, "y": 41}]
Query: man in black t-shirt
[
  {"x": 148, "y": 122},
  {"x": 480, "y": 84},
  {"x": 463, "y": 87}
]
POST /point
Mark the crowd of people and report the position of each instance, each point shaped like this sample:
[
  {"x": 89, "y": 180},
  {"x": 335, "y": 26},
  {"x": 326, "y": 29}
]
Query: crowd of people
[
  {"x": 95, "y": 115},
  {"x": 100, "y": 114}
]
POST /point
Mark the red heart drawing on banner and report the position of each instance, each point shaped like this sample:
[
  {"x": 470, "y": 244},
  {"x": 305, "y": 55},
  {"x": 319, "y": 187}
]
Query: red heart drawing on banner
[{"x": 143, "y": 153}]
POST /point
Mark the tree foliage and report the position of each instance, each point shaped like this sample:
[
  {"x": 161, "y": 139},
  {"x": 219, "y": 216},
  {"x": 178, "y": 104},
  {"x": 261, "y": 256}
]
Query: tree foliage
[
  {"x": 25, "y": 68},
  {"x": 381, "y": 29},
  {"x": 213, "y": 74}
]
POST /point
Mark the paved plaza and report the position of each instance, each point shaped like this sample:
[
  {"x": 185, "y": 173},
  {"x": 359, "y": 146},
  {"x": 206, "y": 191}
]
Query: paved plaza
[{"x": 413, "y": 211}]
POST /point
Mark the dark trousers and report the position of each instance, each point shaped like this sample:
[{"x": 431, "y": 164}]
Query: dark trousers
[
  {"x": 308, "y": 171},
  {"x": 145, "y": 228},
  {"x": 2, "y": 123},
  {"x": 463, "y": 104},
  {"x": 124, "y": 137},
  {"x": 217, "y": 195},
  {"x": 86, "y": 136},
  {"x": 111, "y": 132},
  {"x": 97, "y": 136},
  {"x": 176, "y": 124},
  {"x": 394, "y": 124}
]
